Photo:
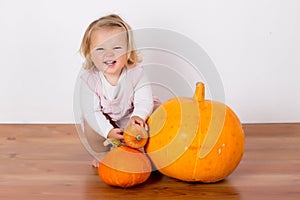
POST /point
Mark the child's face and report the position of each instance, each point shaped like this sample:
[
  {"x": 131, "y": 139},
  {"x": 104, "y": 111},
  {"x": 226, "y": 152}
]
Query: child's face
[{"x": 109, "y": 49}]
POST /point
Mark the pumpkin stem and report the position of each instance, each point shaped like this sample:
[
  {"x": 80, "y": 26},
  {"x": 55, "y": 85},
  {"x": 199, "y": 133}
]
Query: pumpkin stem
[
  {"x": 199, "y": 92},
  {"x": 113, "y": 141},
  {"x": 138, "y": 137}
]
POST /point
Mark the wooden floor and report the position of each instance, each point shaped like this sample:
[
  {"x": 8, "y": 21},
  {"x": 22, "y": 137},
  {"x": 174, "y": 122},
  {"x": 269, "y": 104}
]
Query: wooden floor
[{"x": 49, "y": 162}]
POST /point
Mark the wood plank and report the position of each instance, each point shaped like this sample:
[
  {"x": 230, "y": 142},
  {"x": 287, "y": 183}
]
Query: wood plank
[{"x": 49, "y": 162}]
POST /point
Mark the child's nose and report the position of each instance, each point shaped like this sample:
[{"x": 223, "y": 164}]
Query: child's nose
[{"x": 109, "y": 53}]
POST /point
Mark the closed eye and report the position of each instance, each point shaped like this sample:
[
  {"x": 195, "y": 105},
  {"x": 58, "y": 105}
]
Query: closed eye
[
  {"x": 99, "y": 49},
  {"x": 117, "y": 48}
]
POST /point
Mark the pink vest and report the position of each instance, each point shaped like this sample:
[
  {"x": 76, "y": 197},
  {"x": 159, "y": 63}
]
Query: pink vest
[{"x": 122, "y": 107}]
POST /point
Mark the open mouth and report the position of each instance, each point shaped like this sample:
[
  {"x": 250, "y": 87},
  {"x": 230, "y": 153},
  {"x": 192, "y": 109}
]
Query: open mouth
[{"x": 110, "y": 62}]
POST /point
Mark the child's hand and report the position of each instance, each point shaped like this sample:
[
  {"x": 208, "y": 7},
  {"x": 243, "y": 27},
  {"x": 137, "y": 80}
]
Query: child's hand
[
  {"x": 115, "y": 133},
  {"x": 137, "y": 120}
]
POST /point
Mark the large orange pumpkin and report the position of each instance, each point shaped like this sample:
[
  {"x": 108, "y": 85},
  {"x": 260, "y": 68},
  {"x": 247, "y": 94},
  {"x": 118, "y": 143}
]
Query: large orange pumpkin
[
  {"x": 124, "y": 167},
  {"x": 193, "y": 139}
]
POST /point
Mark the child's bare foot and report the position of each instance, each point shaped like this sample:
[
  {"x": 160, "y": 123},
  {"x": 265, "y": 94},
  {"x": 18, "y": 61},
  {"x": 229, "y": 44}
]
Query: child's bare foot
[{"x": 95, "y": 163}]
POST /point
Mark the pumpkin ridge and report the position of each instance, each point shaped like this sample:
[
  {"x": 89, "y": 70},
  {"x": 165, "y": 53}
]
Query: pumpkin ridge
[
  {"x": 196, "y": 157},
  {"x": 214, "y": 128}
]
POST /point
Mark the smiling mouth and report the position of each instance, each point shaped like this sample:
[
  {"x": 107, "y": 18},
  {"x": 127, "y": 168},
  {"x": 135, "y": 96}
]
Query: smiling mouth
[{"x": 110, "y": 62}]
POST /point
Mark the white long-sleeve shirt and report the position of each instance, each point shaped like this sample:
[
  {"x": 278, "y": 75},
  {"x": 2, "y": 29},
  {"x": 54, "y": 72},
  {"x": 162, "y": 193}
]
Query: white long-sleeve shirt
[{"x": 94, "y": 104}]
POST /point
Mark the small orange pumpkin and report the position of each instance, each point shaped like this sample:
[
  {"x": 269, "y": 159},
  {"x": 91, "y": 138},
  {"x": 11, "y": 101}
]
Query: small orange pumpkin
[
  {"x": 135, "y": 136},
  {"x": 124, "y": 167},
  {"x": 193, "y": 139}
]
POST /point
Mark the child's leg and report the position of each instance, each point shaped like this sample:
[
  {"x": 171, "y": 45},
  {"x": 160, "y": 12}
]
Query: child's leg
[{"x": 95, "y": 141}]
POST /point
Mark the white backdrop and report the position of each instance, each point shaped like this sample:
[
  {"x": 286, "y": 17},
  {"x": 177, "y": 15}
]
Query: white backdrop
[{"x": 255, "y": 46}]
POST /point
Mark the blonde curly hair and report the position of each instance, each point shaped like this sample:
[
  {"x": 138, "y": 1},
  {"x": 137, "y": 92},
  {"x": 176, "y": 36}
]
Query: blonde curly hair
[{"x": 111, "y": 20}]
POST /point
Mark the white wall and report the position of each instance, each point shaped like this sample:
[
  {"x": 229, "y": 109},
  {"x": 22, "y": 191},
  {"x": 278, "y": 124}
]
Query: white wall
[{"x": 255, "y": 46}]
